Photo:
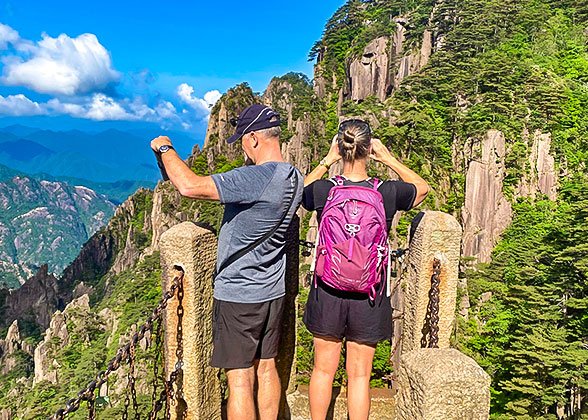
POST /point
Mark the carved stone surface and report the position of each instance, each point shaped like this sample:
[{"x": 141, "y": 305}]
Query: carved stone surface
[
  {"x": 442, "y": 384},
  {"x": 433, "y": 235},
  {"x": 194, "y": 249}
]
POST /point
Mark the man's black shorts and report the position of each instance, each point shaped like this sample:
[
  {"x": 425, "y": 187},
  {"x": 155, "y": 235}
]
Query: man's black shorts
[{"x": 243, "y": 332}]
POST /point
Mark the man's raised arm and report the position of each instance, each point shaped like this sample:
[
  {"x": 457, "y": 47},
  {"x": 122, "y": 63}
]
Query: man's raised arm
[{"x": 184, "y": 179}]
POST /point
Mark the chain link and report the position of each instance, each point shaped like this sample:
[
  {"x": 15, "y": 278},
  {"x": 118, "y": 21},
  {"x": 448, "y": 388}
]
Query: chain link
[
  {"x": 431, "y": 328},
  {"x": 123, "y": 353},
  {"x": 132, "y": 382}
]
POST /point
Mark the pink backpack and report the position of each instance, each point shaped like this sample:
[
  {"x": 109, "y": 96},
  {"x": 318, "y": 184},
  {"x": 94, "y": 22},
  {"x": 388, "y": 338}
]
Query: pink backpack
[{"x": 352, "y": 247}]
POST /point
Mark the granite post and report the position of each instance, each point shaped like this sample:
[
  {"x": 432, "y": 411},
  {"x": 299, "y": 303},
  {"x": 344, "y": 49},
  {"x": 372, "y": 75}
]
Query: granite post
[{"x": 192, "y": 248}]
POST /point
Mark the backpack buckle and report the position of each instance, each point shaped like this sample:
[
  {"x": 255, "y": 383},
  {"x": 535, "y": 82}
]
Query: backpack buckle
[{"x": 352, "y": 229}]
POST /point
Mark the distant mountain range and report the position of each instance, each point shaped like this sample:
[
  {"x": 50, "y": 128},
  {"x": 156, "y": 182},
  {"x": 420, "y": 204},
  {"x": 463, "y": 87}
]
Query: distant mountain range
[
  {"x": 116, "y": 192},
  {"x": 43, "y": 222},
  {"x": 57, "y": 188},
  {"x": 107, "y": 156}
]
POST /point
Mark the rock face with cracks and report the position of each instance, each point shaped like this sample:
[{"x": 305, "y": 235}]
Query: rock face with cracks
[{"x": 486, "y": 212}]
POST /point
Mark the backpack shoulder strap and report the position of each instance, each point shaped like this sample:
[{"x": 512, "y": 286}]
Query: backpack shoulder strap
[
  {"x": 376, "y": 184},
  {"x": 258, "y": 242}
]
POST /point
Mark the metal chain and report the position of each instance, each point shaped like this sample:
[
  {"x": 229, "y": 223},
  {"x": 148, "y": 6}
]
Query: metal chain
[
  {"x": 167, "y": 395},
  {"x": 125, "y": 414},
  {"x": 158, "y": 349},
  {"x": 92, "y": 407},
  {"x": 431, "y": 327},
  {"x": 132, "y": 381},
  {"x": 122, "y": 354}
]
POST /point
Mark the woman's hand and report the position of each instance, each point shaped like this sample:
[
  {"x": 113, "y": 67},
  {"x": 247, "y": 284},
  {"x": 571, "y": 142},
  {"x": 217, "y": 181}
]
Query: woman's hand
[
  {"x": 379, "y": 152},
  {"x": 333, "y": 155}
]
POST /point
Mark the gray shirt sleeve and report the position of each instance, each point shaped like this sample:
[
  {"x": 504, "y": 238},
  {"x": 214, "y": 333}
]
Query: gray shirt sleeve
[{"x": 242, "y": 185}]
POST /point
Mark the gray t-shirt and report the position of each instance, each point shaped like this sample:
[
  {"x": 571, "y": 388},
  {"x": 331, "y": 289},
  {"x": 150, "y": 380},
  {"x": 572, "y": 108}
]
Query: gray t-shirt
[{"x": 255, "y": 199}]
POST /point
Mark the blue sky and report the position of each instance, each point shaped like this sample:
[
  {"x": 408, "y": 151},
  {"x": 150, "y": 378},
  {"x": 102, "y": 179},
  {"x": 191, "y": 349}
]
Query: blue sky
[{"x": 147, "y": 62}]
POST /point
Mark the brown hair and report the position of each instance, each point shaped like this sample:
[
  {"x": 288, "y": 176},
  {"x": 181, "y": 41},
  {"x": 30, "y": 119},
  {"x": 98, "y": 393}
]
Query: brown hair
[{"x": 354, "y": 139}]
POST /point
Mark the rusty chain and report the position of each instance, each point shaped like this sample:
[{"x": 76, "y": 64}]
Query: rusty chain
[
  {"x": 92, "y": 407},
  {"x": 167, "y": 394},
  {"x": 131, "y": 376},
  {"x": 158, "y": 354},
  {"x": 122, "y": 354},
  {"x": 431, "y": 327}
]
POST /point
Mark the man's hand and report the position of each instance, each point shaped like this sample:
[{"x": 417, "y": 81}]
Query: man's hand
[
  {"x": 380, "y": 153},
  {"x": 333, "y": 155},
  {"x": 157, "y": 142}
]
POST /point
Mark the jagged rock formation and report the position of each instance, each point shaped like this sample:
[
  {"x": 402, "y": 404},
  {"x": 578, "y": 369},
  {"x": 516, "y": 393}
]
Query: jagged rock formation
[
  {"x": 9, "y": 346},
  {"x": 288, "y": 95},
  {"x": 58, "y": 336},
  {"x": 486, "y": 212},
  {"x": 219, "y": 128},
  {"x": 35, "y": 301}
]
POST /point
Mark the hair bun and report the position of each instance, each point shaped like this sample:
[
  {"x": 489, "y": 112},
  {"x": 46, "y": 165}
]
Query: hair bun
[{"x": 348, "y": 137}]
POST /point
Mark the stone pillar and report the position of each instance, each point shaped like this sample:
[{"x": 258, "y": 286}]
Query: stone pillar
[
  {"x": 286, "y": 359},
  {"x": 441, "y": 384},
  {"x": 433, "y": 235},
  {"x": 194, "y": 250}
]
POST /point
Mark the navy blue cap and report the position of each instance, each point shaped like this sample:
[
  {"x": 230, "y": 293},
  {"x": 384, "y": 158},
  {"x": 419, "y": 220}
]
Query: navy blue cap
[{"x": 253, "y": 118}]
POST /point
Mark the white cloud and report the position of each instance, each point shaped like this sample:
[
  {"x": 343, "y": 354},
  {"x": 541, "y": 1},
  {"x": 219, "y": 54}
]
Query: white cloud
[
  {"x": 166, "y": 110},
  {"x": 104, "y": 108},
  {"x": 186, "y": 94},
  {"x": 62, "y": 65},
  {"x": 20, "y": 105},
  {"x": 7, "y": 36}
]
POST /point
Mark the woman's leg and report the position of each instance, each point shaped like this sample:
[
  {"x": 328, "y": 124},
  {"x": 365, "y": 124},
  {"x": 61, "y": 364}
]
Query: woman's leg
[
  {"x": 359, "y": 369},
  {"x": 326, "y": 359}
]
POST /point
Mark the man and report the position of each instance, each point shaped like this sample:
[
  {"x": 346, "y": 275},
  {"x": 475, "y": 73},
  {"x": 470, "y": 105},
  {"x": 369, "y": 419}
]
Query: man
[{"x": 260, "y": 199}]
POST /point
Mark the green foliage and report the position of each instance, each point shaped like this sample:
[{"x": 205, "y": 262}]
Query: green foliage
[
  {"x": 143, "y": 201},
  {"x": 530, "y": 336}
]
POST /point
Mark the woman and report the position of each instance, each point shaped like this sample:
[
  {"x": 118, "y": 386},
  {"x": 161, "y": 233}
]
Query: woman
[{"x": 332, "y": 314}]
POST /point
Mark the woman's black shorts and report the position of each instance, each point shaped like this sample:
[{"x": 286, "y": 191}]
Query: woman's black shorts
[{"x": 337, "y": 314}]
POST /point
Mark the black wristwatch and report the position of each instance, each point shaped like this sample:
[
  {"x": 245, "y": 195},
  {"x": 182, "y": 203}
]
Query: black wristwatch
[{"x": 165, "y": 148}]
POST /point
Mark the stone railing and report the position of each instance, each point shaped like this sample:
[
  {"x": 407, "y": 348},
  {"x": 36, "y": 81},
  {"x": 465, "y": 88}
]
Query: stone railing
[{"x": 431, "y": 383}]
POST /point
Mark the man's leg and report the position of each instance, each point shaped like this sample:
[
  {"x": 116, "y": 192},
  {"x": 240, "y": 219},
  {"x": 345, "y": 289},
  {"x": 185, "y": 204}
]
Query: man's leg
[
  {"x": 359, "y": 369},
  {"x": 268, "y": 392},
  {"x": 240, "y": 405},
  {"x": 326, "y": 359}
]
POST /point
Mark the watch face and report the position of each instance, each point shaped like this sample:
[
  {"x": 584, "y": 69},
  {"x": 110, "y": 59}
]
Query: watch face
[{"x": 164, "y": 148}]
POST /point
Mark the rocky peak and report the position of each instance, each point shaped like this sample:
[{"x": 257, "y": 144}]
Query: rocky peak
[
  {"x": 77, "y": 314},
  {"x": 230, "y": 105},
  {"x": 9, "y": 346},
  {"x": 34, "y": 301}
]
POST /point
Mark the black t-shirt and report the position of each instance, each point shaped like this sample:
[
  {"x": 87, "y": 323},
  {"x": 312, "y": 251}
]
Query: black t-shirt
[{"x": 398, "y": 195}]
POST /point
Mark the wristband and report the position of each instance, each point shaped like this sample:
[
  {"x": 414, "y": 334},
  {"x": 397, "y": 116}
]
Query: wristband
[{"x": 324, "y": 163}]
